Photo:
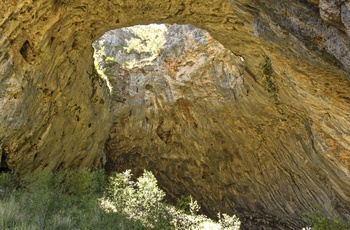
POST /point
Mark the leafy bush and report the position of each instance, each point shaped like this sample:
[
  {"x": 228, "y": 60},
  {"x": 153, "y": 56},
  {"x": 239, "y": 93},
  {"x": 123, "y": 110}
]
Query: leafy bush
[
  {"x": 319, "y": 221},
  {"x": 88, "y": 200},
  {"x": 144, "y": 201},
  {"x": 188, "y": 205},
  {"x": 141, "y": 200},
  {"x": 57, "y": 201},
  {"x": 229, "y": 222}
]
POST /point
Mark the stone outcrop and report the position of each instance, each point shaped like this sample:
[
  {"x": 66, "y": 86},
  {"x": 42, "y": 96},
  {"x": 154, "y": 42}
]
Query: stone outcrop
[{"x": 288, "y": 99}]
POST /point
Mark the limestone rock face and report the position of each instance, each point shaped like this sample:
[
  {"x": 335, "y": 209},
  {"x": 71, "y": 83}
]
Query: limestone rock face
[
  {"x": 185, "y": 108},
  {"x": 267, "y": 137}
]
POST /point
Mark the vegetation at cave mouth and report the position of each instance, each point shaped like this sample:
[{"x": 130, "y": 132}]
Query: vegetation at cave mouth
[{"x": 92, "y": 200}]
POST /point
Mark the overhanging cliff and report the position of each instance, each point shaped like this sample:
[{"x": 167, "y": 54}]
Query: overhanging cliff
[{"x": 290, "y": 149}]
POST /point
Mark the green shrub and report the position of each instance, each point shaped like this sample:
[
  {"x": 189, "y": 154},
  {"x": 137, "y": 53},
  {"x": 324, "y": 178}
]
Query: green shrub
[
  {"x": 187, "y": 204},
  {"x": 87, "y": 200},
  {"x": 87, "y": 183},
  {"x": 141, "y": 201},
  {"x": 319, "y": 221},
  {"x": 229, "y": 222},
  {"x": 55, "y": 201}
]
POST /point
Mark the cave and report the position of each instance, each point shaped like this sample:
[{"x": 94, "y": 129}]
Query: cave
[
  {"x": 288, "y": 130},
  {"x": 162, "y": 80}
]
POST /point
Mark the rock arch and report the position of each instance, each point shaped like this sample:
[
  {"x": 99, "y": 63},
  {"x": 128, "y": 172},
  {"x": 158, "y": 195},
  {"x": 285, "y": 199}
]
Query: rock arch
[{"x": 55, "y": 110}]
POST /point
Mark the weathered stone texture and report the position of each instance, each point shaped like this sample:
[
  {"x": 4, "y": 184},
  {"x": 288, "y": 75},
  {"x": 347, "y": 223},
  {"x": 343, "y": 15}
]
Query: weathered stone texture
[
  {"x": 290, "y": 149},
  {"x": 196, "y": 118}
]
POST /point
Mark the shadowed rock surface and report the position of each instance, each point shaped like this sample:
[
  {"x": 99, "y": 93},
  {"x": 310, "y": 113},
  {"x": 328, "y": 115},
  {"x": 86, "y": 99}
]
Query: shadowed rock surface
[{"x": 287, "y": 99}]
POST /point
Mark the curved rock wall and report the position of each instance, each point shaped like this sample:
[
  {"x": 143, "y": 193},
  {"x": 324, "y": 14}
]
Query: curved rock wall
[
  {"x": 292, "y": 138},
  {"x": 188, "y": 111},
  {"x": 54, "y": 109}
]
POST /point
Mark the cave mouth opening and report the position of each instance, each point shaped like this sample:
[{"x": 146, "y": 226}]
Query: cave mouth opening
[
  {"x": 161, "y": 79},
  {"x": 151, "y": 69},
  {"x": 124, "y": 49},
  {"x": 126, "y": 58}
]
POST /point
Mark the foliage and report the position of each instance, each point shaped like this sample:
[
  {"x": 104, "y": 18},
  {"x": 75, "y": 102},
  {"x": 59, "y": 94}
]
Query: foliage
[
  {"x": 144, "y": 46},
  {"x": 267, "y": 69},
  {"x": 229, "y": 222},
  {"x": 319, "y": 221},
  {"x": 188, "y": 205},
  {"x": 144, "y": 201},
  {"x": 89, "y": 200},
  {"x": 99, "y": 61},
  {"x": 116, "y": 96},
  {"x": 141, "y": 200},
  {"x": 57, "y": 201},
  {"x": 148, "y": 39},
  {"x": 7, "y": 184}
]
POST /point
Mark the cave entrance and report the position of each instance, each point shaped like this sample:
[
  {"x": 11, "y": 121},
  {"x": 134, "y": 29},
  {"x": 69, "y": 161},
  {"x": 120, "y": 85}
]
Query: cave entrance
[
  {"x": 132, "y": 59},
  {"x": 169, "y": 85}
]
